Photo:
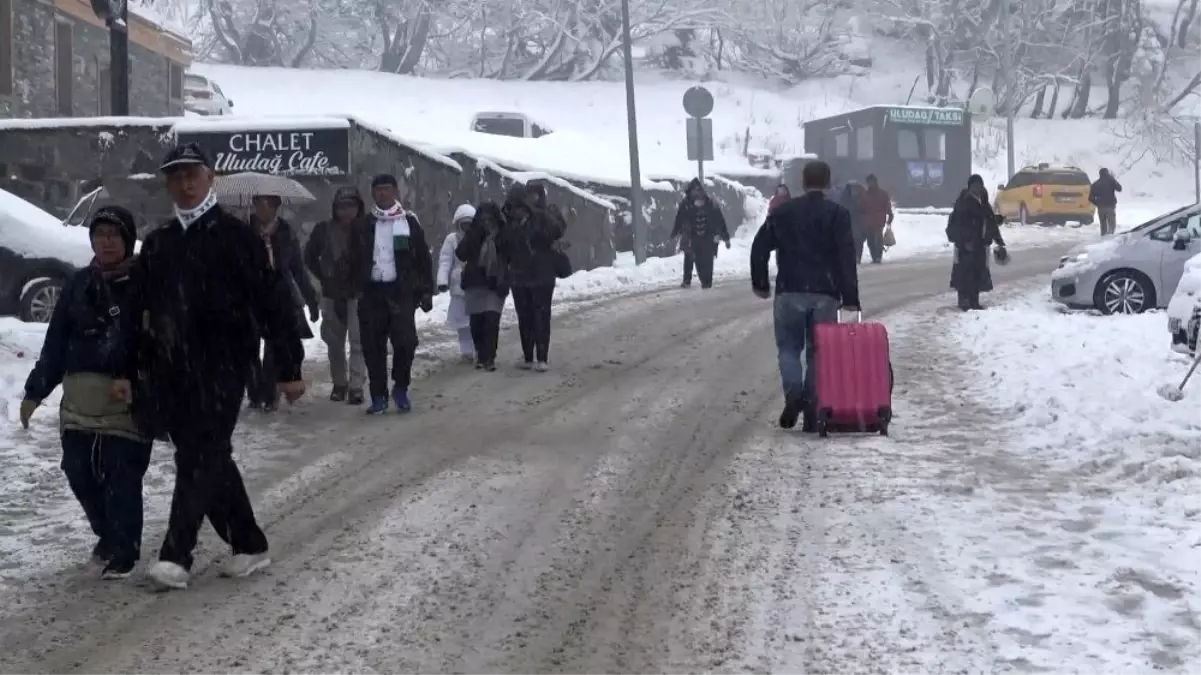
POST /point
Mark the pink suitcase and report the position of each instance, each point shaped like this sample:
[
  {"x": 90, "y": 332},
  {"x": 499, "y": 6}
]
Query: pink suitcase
[{"x": 853, "y": 377}]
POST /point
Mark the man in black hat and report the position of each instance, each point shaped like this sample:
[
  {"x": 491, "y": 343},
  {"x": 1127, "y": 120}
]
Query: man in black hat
[
  {"x": 395, "y": 272},
  {"x": 205, "y": 291}
]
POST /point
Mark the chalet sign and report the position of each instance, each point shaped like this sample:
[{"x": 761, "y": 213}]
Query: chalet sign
[
  {"x": 932, "y": 116},
  {"x": 296, "y": 152}
]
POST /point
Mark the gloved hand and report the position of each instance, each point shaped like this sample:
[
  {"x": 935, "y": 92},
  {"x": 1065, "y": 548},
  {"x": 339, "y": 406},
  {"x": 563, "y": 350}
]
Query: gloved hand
[
  {"x": 442, "y": 288},
  {"x": 27, "y": 408},
  {"x": 314, "y": 313},
  {"x": 427, "y": 303},
  {"x": 727, "y": 243}
]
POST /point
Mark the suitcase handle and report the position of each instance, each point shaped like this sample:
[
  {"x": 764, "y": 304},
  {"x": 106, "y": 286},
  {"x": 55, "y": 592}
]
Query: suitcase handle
[{"x": 858, "y": 316}]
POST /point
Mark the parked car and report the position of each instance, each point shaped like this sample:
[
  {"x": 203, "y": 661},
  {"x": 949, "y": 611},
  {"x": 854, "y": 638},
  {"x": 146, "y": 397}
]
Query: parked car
[
  {"x": 1132, "y": 271},
  {"x": 1046, "y": 194},
  {"x": 204, "y": 97},
  {"x": 37, "y": 257},
  {"x": 514, "y": 124},
  {"x": 1184, "y": 310}
]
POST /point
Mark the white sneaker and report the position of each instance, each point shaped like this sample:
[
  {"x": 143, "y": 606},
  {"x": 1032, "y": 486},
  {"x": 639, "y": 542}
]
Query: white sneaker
[
  {"x": 244, "y": 564},
  {"x": 542, "y": 366},
  {"x": 170, "y": 575}
]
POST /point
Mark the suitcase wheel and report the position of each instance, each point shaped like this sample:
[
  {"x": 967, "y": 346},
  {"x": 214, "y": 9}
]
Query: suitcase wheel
[
  {"x": 885, "y": 416},
  {"x": 822, "y": 425}
]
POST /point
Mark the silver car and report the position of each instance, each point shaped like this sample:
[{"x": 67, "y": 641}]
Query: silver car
[{"x": 1131, "y": 271}]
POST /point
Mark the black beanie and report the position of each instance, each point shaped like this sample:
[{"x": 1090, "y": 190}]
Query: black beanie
[
  {"x": 383, "y": 179},
  {"x": 123, "y": 219}
]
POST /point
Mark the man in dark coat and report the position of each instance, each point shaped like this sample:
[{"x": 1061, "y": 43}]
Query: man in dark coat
[
  {"x": 852, "y": 198},
  {"x": 526, "y": 245},
  {"x": 394, "y": 273},
  {"x": 284, "y": 256},
  {"x": 105, "y": 452},
  {"x": 204, "y": 294},
  {"x": 699, "y": 225},
  {"x": 877, "y": 217},
  {"x": 1104, "y": 195},
  {"x": 327, "y": 255},
  {"x": 816, "y": 274},
  {"x": 972, "y": 228}
]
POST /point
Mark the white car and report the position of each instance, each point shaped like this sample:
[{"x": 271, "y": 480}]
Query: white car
[
  {"x": 37, "y": 257},
  {"x": 1184, "y": 310},
  {"x": 204, "y": 97},
  {"x": 515, "y": 124}
]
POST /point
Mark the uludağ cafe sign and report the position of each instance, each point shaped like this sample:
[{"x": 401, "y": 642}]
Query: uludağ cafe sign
[
  {"x": 292, "y": 152},
  {"x": 935, "y": 116}
]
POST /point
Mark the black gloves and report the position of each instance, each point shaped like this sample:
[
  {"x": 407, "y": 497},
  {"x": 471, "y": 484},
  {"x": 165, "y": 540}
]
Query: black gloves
[{"x": 427, "y": 303}]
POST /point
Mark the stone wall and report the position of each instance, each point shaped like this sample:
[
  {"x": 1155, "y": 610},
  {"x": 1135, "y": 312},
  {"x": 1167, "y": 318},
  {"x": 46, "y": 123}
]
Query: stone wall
[{"x": 34, "y": 84}]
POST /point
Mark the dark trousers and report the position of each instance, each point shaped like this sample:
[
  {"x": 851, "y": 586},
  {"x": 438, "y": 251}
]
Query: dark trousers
[
  {"x": 208, "y": 484},
  {"x": 105, "y": 474},
  {"x": 533, "y": 320},
  {"x": 485, "y": 333},
  {"x": 703, "y": 260},
  {"x": 386, "y": 316},
  {"x": 263, "y": 388},
  {"x": 968, "y": 299},
  {"x": 874, "y": 239}
]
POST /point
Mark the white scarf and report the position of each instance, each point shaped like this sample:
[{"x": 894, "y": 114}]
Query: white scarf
[
  {"x": 394, "y": 216},
  {"x": 189, "y": 216}
]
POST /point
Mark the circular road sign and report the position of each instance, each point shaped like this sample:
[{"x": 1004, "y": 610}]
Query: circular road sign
[{"x": 698, "y": 102}]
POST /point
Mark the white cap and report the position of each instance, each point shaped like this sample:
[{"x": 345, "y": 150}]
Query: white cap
[{"x": 464, "y": 212}]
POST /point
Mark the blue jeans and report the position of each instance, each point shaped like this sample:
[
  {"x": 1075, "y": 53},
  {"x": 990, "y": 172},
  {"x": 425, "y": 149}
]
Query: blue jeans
[{"x": 795, "y": 315}]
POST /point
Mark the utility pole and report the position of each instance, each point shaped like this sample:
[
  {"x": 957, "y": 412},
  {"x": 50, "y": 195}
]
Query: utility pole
[
  {"x": 1007, "y": 71},
  {"x": 637, "y": 221}
]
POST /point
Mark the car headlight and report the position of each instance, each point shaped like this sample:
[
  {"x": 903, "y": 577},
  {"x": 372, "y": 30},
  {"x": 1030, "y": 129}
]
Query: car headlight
[{"x": 1077, "y": 258}]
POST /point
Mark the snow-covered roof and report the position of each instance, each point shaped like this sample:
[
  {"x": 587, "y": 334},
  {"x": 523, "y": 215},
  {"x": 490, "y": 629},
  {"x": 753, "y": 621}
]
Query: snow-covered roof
[
  {"x": 109, "y": 122},
  {"x": 31, "y": 232},
  {"x": 200, "y": 125},
  {"x": 420, "y": 147},
  {"x": 527, "y": 176}
]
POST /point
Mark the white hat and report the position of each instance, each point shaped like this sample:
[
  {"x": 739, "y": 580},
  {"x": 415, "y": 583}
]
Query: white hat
[{"x": 464, "y": 212}]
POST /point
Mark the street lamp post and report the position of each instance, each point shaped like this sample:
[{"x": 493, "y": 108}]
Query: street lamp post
[
  {"x": 115, "y": 14},
  {"x": 637, "y": 221},
  {"x": 1007, "y": 70}
]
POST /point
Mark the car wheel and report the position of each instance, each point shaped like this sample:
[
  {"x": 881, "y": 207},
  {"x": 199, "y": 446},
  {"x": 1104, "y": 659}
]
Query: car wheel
[
  {"x": 1124, "y": 292},
  {"x": 38, "y": 301}
]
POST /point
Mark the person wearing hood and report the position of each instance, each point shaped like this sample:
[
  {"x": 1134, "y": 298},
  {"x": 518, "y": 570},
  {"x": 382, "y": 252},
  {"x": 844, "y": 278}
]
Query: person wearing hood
[
  {"x": 700, "y": 225},
  {"x": 284, "y": 256},
  {"x": 105, "y": 452},
  {"x": 526, "y": 245},
  {"x": 394, "y": 275},
  {"x": 851, "y": 197},
  {"x": 327, "y": 255},
  {"x": 204, "y": 295},
  {"x": 450, "y": 278},
  {"x": 782, "y": 195},
  {"x": 1103, "y": 194},
  {"x": 972, "y": 227},
  {"x": 484, "y": 281}
]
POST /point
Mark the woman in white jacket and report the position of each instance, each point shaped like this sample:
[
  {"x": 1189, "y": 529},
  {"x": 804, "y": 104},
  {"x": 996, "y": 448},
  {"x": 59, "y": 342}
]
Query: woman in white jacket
[{"x": 450, "y": 274}]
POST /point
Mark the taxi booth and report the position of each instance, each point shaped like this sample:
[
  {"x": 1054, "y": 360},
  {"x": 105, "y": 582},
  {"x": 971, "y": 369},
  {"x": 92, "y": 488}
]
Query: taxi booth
[{"x": 922, "y": 155}]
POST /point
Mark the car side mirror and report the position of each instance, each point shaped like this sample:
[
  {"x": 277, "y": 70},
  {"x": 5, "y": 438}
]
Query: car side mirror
[
  {"x": 1181, "y": 239},
  {"x": 229, "y": 102}
]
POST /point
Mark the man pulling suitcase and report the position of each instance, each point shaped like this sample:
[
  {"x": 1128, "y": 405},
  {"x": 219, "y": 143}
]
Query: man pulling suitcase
[{"x": 816, "y": 275}]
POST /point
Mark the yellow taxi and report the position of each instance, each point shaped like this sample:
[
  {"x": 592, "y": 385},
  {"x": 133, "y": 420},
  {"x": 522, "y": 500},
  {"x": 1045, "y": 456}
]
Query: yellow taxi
[{"x": 1046, "y": 194}]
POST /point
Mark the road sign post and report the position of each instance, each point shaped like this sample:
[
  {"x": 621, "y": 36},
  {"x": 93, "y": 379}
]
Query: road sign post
[{"x": 698, "y": 103}]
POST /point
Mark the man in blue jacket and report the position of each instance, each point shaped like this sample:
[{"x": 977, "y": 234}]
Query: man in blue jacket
[{"x": 816, "y": 274}]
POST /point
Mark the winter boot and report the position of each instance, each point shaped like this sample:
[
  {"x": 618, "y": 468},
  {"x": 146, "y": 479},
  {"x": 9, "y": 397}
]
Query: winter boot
[
  {"x": 118, "y": 568},
  {"x": 354, "y": 396},
  {"x": 401, "y": 398},
  {"x": 244, "y": 564},
  {"x": 338, "y": 394},
  {"x": 490, "y": 367},
  {"x": 793, "y": 407},
  {"x": 378, "y": 405},
  {"x": 169, "y": 575},
  {"x": 100, "y": 554}
]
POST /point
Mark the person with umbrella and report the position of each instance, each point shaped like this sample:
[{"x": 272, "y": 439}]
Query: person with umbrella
[
  {"x": 204, "y": 292},
  {"x": 283, "y": 256}
]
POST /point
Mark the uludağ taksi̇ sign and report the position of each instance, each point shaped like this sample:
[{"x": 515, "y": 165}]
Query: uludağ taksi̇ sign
[
  {"x": 296, "y": 152},
  {"x": 938, "y": 116}
]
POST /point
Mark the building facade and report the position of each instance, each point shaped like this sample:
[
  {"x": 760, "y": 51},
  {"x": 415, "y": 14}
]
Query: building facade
[{"x": 54, "y": 62}]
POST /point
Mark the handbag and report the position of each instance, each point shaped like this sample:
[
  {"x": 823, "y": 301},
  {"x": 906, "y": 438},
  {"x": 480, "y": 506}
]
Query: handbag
[
  {"x": 560, "y": 261},
  {"x": 890, "y": 239}
]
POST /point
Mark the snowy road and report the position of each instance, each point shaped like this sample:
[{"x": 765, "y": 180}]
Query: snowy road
[{"x": 584, "y": 520}]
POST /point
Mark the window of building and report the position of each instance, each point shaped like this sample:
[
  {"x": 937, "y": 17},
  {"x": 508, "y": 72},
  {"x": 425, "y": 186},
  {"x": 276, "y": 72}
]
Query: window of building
[
  {"x": 907, "y": 147},
  {"x": 842, "y": 144},
  {"x": 64, "y": 76},
  {"x": 6, "y": 47},
  {"x": 864, "y": 139},
  {"x": 935, "y": 141},
  {"x": 175, "y": 86}
]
